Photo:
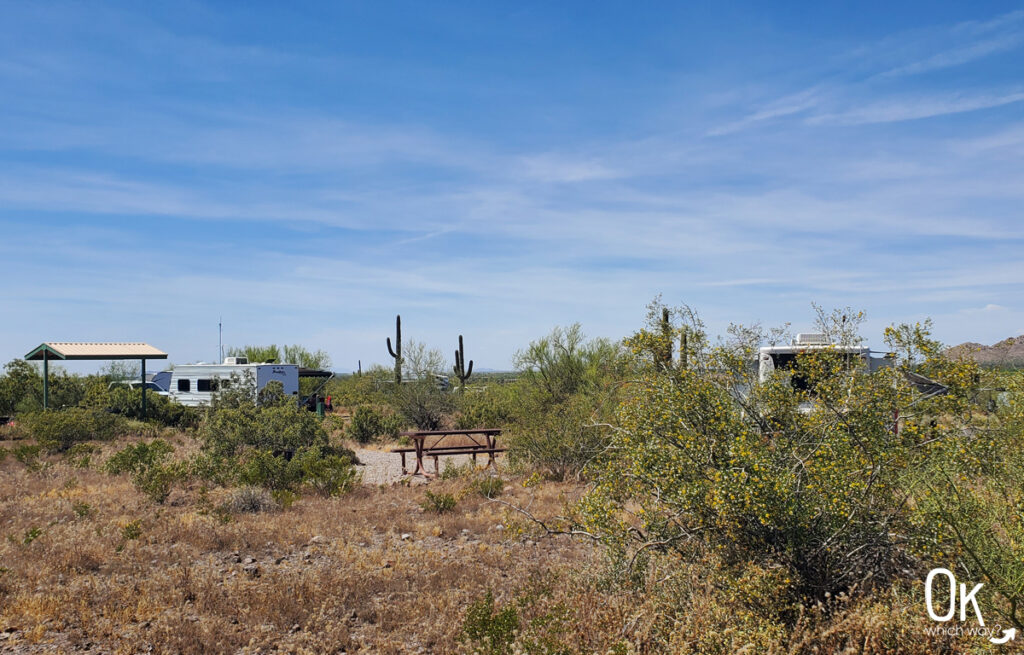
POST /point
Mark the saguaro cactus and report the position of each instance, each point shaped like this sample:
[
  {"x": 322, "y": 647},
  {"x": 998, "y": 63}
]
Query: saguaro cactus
[
  {"x": 664, "y": 352},
  {"x": 461, "y": 371},
  {"x": 684, "y": 348},
  {"x": 396, "y": 352}
]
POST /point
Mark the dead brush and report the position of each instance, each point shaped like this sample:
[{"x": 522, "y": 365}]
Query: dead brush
[{"x": 251, "y": 500}]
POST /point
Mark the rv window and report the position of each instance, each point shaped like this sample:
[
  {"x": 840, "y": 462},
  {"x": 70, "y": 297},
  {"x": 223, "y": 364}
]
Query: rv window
[
  {"x": 788, "y": 362},
  {"x": 185, "y": 385},
  {"x": 206, "y": 385}
]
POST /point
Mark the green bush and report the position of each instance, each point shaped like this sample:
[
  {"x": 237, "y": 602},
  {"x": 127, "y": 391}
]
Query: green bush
[
  {"x": 561, "y": 439},
  {"x": 328, "y": 471},
  {"x": 21, "y": 388},
  {"x": 212, "y": 468},
  {"x": 373, "y": 387},
  {"x": 422, "y": 403},
  {"x": 489, "y": 487},
  {"x": 28, "y": 456},
  {"x": 58, "y": 430},
  {"x": 328, "y": 475},
  {"x": 368, "y": 423},
  {"x": 261, "y": 468},
  {"x": 283, "y": 429},
  {"x": 438, "y": 503},
  {"x": 127, "y": 402},
  {"x": 32, "y": 534},
  {"x": 490, "y": 630},
  {"x": 133, "y": 459},
  {"x": 815, "y": 480},
  {"x": 151, "y": 473},
  {"x": 492, "y": 406},
  {"x": 132, "y": 530},
  {"x": 453, "y": 471},
  {"x": 565, "y": 397}
]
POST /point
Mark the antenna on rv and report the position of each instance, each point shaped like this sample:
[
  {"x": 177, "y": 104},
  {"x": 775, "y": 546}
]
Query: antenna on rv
[{"x": 220, "y": 339}]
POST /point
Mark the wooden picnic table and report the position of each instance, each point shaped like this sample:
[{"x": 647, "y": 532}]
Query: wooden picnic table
[{"x": 482, "y": 442}]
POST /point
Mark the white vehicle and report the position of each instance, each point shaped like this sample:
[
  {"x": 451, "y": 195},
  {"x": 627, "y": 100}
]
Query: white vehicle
[
  {"x": 195, "y": 384},
  {"x": 778, "y": 358}
]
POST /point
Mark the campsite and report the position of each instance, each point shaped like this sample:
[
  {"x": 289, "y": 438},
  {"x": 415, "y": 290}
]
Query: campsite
[
  {"x": 511, "y": 328},
  {"x": 255, "y": 522}
]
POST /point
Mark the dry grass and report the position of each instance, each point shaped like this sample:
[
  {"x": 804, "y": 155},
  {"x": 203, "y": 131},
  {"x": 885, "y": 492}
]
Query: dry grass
[{"x": 90, "y": 563}]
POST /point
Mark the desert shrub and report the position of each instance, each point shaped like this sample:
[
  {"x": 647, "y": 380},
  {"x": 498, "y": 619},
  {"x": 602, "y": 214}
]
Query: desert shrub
[
  {"x": 57, "y": 431},
  {"x": 489, "y": 486},
  {"x": 127, "y": 402},
  {"x": 328, "y": 471},
  {"x": 133, "y": 459},
  {"x": 132, "y": 530},
  {"x": 80, "y": 455},
  {"x": 21, "y": 388},
  {"x": 489, "y": 629},
  {"x": 281, "y": 429},
  {"x": 156, "y": 481},
  {"x": 566, "y": 394},
  {"x": 12, "y": 432},
  {"x": 31, "y": 535},
  {"x": 969, "y": 500},
  {"x": 327, "y": 474},
  {"x": 368, "y": 423},
  {"x": 559, "y": 440},
  {"x": 373, "y": 387},
  {"x": 420, "y": 400},
  {"x": 28, "y": 456},
  {"x": 422, "y": 403},
  {"x": 3, "y": 454},
  {"x": 208, "y": 466},
  {"x": 251, "y": 500},
  {"x": 703, "y": 456},
  {"x": 491, "y": 406},
  {"x": 151, "y": 473},
  {"x": 438, "y": 503},
  {"x": 564, "y": 363},
  {"x": 261, "y": 468},
  {"x": 453, "y": 471}
]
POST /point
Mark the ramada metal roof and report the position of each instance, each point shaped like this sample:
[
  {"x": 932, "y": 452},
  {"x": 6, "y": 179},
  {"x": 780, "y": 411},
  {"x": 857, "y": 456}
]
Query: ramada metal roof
[{"x": 103, "y": 350}]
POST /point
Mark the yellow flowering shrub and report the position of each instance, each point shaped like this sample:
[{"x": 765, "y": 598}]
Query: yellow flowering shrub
[{"x": 817, "y": 478}]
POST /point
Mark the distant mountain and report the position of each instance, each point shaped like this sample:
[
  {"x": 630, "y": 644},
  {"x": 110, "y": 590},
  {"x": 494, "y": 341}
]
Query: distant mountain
[{"x": 1008, "y": 353}]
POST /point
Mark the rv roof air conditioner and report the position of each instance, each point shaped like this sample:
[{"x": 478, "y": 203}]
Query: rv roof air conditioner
[{"x": 811, "y": 339}]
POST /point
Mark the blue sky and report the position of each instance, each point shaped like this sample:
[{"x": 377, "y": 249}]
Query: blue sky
[{"x": 496, "y": 169}]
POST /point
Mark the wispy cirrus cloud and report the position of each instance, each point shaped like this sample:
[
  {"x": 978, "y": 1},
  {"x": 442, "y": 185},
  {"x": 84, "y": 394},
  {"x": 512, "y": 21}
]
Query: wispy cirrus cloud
[{"x": 914, "y": 108}]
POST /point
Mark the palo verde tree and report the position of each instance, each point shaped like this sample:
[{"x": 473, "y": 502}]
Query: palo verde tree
[
  {"x": 289, "y": 354},
  {"x": 564, "y": 396},
  {"x": 818, "y": 480}
]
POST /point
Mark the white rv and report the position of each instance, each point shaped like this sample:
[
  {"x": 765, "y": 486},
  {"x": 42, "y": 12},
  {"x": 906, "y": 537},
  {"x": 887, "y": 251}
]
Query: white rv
[
  {"x": 773, "y": 358},
  {"x": 195, "y": 384}
]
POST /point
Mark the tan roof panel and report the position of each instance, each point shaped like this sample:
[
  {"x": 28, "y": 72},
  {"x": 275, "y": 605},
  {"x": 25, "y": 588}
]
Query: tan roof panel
[{"x": 94, "y": 350}]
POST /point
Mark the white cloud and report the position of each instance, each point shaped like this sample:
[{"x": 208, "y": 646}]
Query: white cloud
[{"x": 914, "y": 108}]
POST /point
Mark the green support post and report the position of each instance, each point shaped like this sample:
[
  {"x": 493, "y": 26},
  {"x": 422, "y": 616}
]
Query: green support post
[
  {"x": 46, "y": 380},
  {"x": 143, "y": 389}
]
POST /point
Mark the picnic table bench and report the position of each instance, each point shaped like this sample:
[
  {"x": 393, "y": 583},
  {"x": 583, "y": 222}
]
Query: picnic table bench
[{"x": 482, "y": 441}]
